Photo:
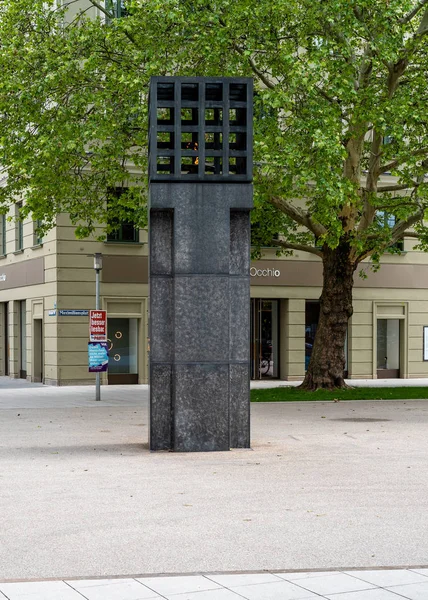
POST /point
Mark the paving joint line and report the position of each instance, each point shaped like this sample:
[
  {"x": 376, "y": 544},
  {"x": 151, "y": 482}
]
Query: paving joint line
[{"x": 74, "y": 589}]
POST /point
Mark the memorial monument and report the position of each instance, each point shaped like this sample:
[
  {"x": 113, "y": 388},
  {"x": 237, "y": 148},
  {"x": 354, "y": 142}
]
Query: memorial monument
[{"x": 200, "y": 197}]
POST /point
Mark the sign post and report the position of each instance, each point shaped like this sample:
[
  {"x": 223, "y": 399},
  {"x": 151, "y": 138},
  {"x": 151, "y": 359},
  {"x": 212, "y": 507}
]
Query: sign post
[{"x": 97, "y": 319}]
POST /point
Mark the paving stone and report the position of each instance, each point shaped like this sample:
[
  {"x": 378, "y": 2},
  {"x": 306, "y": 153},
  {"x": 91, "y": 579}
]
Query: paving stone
[
  {"x": 179, "y": 585},
  {"x": 389, "y": 577},
  {"x": 282, "y": 590},
  {"x": 414, "y": 591},
  {"x": 337, "y": 583}
]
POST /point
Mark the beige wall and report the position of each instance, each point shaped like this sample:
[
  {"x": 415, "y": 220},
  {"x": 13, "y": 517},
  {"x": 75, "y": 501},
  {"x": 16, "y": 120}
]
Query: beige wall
[{"x": 69, "y": 282}]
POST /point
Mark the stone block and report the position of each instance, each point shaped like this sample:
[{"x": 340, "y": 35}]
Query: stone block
[
  {"x": 201, "y": 315},
  {"x": 239, "y": 390},
  {"x": 161, "y": 319},
  {"x": 239, "y": 318},
  {"x": 160, "y": 407},
  {"x": 201, "y": 408},
  {"x": 240, "y": 228},
  {"x": 200, "y": 247},
  {"x": 161, "y": 231}
]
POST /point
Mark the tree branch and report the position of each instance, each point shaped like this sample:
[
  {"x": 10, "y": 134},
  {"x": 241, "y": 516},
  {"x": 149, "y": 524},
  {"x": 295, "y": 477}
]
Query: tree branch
[
  {"x": 371, "y": 181},
  {"x": 413, "y": 12},
  {"x": 423, "y": 27},
  {"x": 397, "y": 232},
  {"x": 102, "y": 9},
  {"x": 396, "y": 71},
  {"x": 395, "y": 163},
  {"x": 268, "y": 83},
  {"x": 298, "y": 215},
  {"x": 301, "y": 247},
  {"x": 397, "y": 188}
]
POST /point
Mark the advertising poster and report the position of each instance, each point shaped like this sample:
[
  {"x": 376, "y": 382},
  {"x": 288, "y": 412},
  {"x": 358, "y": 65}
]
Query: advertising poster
[{"x": 98, "y": 356}]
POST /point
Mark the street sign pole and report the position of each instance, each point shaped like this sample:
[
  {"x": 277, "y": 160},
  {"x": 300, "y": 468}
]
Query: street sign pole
[{"x": 97, "y": 306}]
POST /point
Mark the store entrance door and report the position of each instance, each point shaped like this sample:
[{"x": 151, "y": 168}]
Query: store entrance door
[
  {"x": 264, "y": 338},
  {"x": 388, "y": 348},
  {"x": 123, "y": 351}
]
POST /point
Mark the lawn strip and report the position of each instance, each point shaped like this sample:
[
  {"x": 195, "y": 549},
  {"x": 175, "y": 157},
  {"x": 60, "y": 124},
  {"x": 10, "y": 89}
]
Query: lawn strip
[{"x": 292, "y": 394}]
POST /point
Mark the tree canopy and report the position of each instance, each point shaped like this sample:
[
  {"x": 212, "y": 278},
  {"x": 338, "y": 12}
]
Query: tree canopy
[
  {"x": 342, "y": 91},
  {"x": 341, "y": 148}
]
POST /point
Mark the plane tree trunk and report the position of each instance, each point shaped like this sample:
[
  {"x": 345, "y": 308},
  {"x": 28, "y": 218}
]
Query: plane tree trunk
[{"x": 327, "y": 364}]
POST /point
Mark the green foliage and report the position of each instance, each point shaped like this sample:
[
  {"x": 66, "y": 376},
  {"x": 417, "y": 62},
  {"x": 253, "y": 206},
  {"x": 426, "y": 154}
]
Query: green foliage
[{"x": 333, "y": 79}]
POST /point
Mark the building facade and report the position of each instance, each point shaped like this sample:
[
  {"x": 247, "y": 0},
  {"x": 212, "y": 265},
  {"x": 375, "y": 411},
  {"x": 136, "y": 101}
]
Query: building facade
[
  {"x": 46, "y": 288},
  {"x": 48, "y": 285}
]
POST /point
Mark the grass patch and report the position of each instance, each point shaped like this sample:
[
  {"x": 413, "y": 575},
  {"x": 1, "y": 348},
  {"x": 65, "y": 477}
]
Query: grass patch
[{"x": 291, "y": 394}]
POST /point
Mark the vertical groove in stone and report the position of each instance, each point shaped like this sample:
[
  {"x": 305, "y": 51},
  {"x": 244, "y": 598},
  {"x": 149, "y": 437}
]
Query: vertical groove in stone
[
  {"x": 161, "y": 331},
  {"x": 239, "y": 319}
]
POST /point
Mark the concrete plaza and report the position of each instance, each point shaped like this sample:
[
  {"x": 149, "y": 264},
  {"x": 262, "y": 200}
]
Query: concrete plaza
[{"x": 326, "y": 486}]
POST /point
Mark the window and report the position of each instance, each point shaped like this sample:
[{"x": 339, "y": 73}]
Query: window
[
  {"x": 386, "y": 219},
  {"x": 117, "y": 8},
  {"x": 262, "y": 238},
  {"x": 3, "y": 235},
  {"x": 37, "y": 236},
  {"x": 119, "y": 229},
  {"x": 19, "y": 228}
]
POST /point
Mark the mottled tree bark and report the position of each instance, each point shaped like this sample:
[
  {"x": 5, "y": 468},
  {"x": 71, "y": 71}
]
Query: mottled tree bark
[{"x": 327, "y": 364}]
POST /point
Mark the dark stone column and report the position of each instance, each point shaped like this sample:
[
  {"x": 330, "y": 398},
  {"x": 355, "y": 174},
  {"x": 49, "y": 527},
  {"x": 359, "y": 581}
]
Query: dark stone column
[{"x": 199, "y": 293}]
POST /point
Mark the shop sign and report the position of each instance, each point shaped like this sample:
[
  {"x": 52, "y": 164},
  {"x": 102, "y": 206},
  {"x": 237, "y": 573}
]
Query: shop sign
[
  {"x": 97, "y": 325},
  {"x": 97, "y": 356},
  {"x": 73, "y": 313},
  {"x": 255, "y": 272}
]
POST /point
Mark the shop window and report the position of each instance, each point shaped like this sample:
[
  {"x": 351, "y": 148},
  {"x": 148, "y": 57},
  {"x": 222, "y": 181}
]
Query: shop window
[
  {"x": 3, "y": 235},
  {"x": 23, "y": 339},
  {"x": 264, "y": 338},
  {"x": 5, "y": 338},
  {"x": 120, "y": 230}
]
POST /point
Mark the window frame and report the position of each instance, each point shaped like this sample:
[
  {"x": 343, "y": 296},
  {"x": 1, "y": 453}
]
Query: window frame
[
  {"x": 383, "y": 217},
  {"x": 116, "y": 236},
  {"x": 19, "y": 229},
  {"x": 37, "y": 240}
]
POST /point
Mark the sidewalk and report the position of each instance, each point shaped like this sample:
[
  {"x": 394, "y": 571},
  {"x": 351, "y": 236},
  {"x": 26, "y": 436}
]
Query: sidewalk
[
  {"x": 326, "y": 489},
  {"x": 380, "y": 584}
]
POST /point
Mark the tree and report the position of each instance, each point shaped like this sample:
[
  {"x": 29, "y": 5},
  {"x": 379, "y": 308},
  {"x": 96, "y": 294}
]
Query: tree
[{"x": 340, "y": 142}]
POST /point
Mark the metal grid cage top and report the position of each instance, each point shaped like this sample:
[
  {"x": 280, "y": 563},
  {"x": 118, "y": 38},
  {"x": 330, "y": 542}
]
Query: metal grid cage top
[{"x": 201, "y": 128}]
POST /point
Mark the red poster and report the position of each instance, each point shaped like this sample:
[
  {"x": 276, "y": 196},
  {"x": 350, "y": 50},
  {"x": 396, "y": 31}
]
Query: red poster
[{"x": 97, "y": 325}]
